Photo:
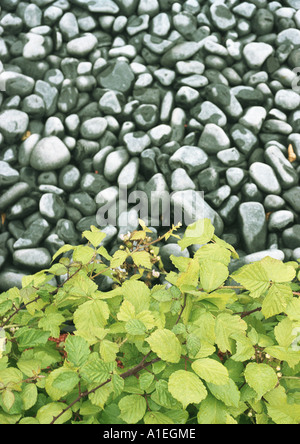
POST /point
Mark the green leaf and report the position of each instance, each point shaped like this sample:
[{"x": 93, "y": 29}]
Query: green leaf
[
  {"x": 138, "y": 294},
  {"x": 62, "y": 250},
  {"x": 31, "y": 337},
  {"x": 212, "y": 274},
  {"x": 215, "y": 253},
  {"x": 83, "y": 254},
  {"x": 201, "y": 232},
  {"x": 142, "y": 259},
  {"x": 95, "y": 236},
  {"x": 244, "y": 348},
  {"x": 157, "y": 418},
  {"x": 211, "y": 371},
  {"x": 277, "y": 271},
  {"x": 254, "y": 278},
  {"x": 277, "y": 300},
  {"x": 190, "y": 278},
  {"x": 47, "y": 413},
  {"x": 8, "y": 399},
  {"x": 119, "y": 258},
  {"x": 90, "y": 319},
  {"x": 212, "y": 411},
  {"x": 77, "y": 349},
  {"x": 293, "y": 309},
  {"x": 108, "y": 350},
  {"x": 95, "y": 371},
  {"x": 145, "y": 380},
  {"x": 51, "y": 322},
  {"x": 227, "y": 393},
  {"x": 135, "y": 327},
  {"x": 261, "y": 377},
  {"x": 29, "y": 396},
  {"x": 117, "y": 385},
  {"x": 63, "y": 387},
  {"x": 280, "y": 410},
  {"x": 186, "y": 387},
  {"x": 165, "y": 344},
  {"x": 226, "y": 325},
  {"x": 133, "y": 408},
  {"x": 284, "y": 333},
  {"x": 288, "y": 355}
]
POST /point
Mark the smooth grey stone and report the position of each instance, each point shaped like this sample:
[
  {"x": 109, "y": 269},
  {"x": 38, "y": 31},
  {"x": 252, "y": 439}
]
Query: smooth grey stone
[
  {"x": 157, "y": 190},
  {"x": 52, "y": 189},
  {"x": 191, "y": 158},
  {"x": 49, "y": 154},
  {"x": 22, "y": 208},
  {"x": 222, "y": 17},
  {"x": 53, "y": 243},
  {"x": 11, "y": 23},
  {"x": 165, "y": 76},
  {"x": 137, "y": 24},
  {"x": 54, "y": 127},
  {"x": 291, "y": 237},
  {"x": 289, "y": 36},
  {"x": 47, "y": 178},
  {"x": 146, "y": 116},
  {"x": 294, "y": 139},
  {"x": 294, "y": 3},
  {"x": 68, "y": 26},
  {"x": 287, "y": 100},
  {"x": 185, "y": 23},
  {"x": 33, "y": 235},
  {"x": 189, "y": 206},
  {"x": 286, "y": 174},
  {"x": 98, "y": 6},
  {"x": 273, "y": 203},
  {"x": 235, "y": 178},
  {"x": 296, "y": 254},
  {"x": 14, "y": 83},
  {"x": 68, "y": 99},
  {"x": 209, "y": 180},
  {"x": 161, "y": 24},
  {"x": 292, "y": 196},
  {"x": 149, "y": 163},
  {"x": 265, "y": 178},
  {"x": 171, "y": 250},
  {"x": 54, "y": 77},
  {"x": 128, "y": 221},
  {"x": 117, "y": 76},
  {"x": 33, "y": 105},
  {"x": 8, "y": 175},
  {"x": 228, "y": 211},
  {"x": 129, "y": 174},
  {"x": 279, "y": 220},
  {"x": 93, "y": 129},
  {"x": 230, "y": 157},
  {"x": 82, "y": 46},
  {"x": 13, "y": 194},
  {"x": 213, "y": 139},
  {"x": 254, "y": 118},
  {"x": 256, "y": 53},
  {"x": 33, "y": 258},
  {"x": 114, "y": 163},
  {"x": 181, "y": 181},
  {"x": 208, "y": 112},
  {"x": 49, "y": 94},
  {"x": 243, "y": 138},
  {"x": 180, "y": 52},
  {"x": 100, "y": 158},
  {"x": 11, "y": 277},
  {"x": 52, "y": 207},
  {"x": 108, "y": 196},
  {"x": 38, "y": 47},
  {"x": 245, "y": 9},
  {"x": 26, "y": 149},
  {"x": 253, "y": 225},
  {"x": 218, "y": 197},
  {"x": 112, "y": 102},
  {"x": 85, "y": 223},
  {"x": 66, "y": 231},
  {"x": 93, "y": 183},
  {"x": 263, "y": 22},
  {"x": 160, "y": 134},
  {"x": 32, "y": 16},
  {"x": 187, "y": 96},
  {"x": 83, "y": 202},
  {"x": 52, "y": 14},
  {"x": 69, "y": 178},
  {"x": 13, "y": 124},
  {"x": 277, "y": 126}
]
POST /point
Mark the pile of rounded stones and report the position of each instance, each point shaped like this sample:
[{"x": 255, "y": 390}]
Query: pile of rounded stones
[{"x": 152, "y": 95}]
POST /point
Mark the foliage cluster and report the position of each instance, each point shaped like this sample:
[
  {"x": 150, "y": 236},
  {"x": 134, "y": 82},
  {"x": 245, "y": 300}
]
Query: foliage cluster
[{"x": 204, "y": 347}]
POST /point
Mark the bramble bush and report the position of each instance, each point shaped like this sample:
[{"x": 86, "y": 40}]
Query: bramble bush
[{"x": 206, "y": 347}]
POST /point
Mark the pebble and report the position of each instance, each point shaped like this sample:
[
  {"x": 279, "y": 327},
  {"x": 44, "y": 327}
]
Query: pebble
[
  {"x": 213, "y": 139},
  {"x": 256, "y": 53},
  {"x": 253, "y": 226},
  {"x": 191, "y": 158},
  {"x": 279, "y": 220},
  {"x": 13, "y": 124},
  {"x": 286, "y": 174},
  {"x": 32, "y": 258},
  {"x": 50, "y": 153},
  {"x": 265, "y": 178}
]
